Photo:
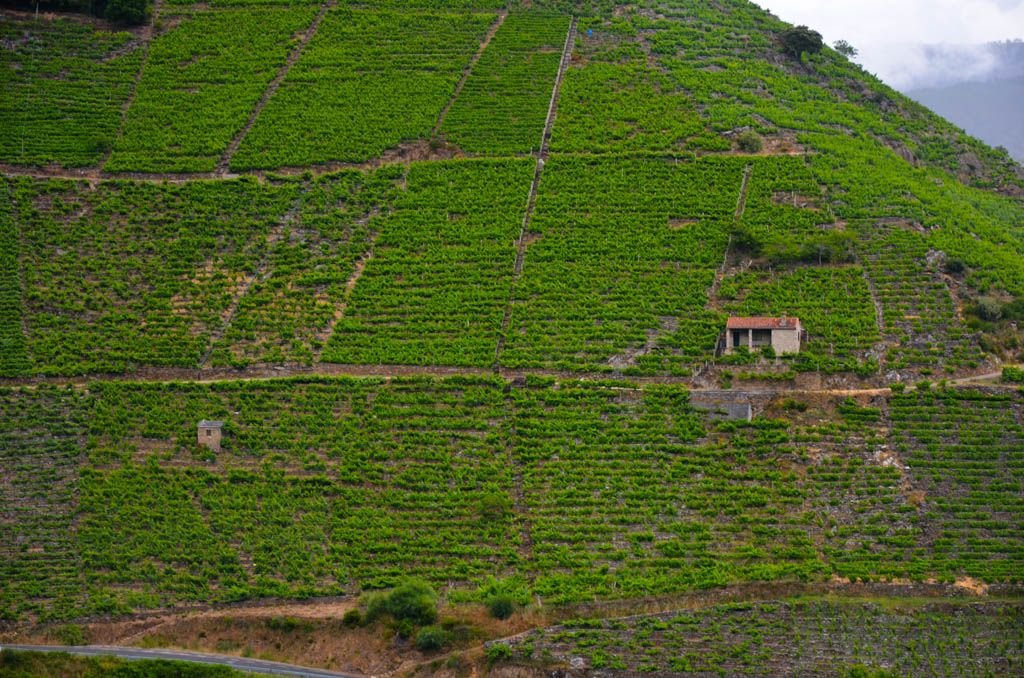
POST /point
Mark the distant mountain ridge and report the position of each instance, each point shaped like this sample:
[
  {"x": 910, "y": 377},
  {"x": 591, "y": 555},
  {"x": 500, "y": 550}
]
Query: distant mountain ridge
[
  {"x": 978, "y": 87},
  {"x": 989, "y": 110}
]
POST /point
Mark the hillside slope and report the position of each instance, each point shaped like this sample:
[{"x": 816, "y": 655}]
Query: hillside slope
[{"x": 454, "y": 276}]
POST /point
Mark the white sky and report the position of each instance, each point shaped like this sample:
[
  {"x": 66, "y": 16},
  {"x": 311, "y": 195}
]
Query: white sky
[{"x": 887, "y": 32}]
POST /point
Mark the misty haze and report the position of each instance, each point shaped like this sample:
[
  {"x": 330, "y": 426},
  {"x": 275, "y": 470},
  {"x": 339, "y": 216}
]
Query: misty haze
[{"x": 980, "y": 88}]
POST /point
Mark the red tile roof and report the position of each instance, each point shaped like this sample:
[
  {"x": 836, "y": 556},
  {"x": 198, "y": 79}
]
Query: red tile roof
[{"x": 786, "y": 323}]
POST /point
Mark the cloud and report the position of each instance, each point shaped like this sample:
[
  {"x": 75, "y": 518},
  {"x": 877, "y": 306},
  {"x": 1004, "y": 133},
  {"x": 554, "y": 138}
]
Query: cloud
[{"x": 890, "y": 34}]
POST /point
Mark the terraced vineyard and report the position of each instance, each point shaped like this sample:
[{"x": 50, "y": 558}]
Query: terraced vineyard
[
  {"x": 350, "y": 100},
  {"x": 604, "y": 490},
  {"x": 136, "y": 273},
  {"x": 64, "y": 87},
  {"x": 40, "y": 459},
  {"x": 303, "y": 282},
  {"x": 200, "y": 81},
  {"x": 504, "y": 103},
  {"x": 435, "y": 291},
  {"x": 833, "y": 300},
  {"x": 965, "y": 450},
  {"x": 809, "y": 637},
  {"x": 455, "y": 277},
  {"x": 614, "y": 275}
]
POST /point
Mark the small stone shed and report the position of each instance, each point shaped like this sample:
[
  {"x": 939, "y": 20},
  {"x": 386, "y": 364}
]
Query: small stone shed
[
  {"x": 784, "y": 334},
  {"x": 209, "y": 434}
]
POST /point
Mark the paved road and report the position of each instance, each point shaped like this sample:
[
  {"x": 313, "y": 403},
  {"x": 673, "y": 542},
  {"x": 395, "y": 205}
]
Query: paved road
[{"x": 239, "y": 663}]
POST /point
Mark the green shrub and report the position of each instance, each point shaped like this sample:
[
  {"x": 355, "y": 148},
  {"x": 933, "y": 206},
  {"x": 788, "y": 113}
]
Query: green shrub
[
  {"x": 404, "y": 628},
  {"x": 430, "y": 638},
  {"x": 495, "y": 506},
  {"x": 498, "y": 652},
  {"x": 989, "y": 308},
  {"x": 501, "y": 606},
  {"x": 413, "y": 601},
  {"x": 352, "y": 619},
  {"x": 288, "y": 624},
  {"x": 750, "y": 142},
  {"x": 955, "y": 266},
  {"x": 71, "y": 634},
  {"x": 791, "y": 405},
  {"x": 1013, "y": 375},
  {"x": 801, "y": 39}
]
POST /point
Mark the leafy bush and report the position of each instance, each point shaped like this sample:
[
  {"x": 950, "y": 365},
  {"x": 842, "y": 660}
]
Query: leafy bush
[
  {"x": 989, "y": 308},
  {"x": 501, "y": 606},
  {"x": 288, "y": 624},
  {"x": 414, "y": 601},
  {"x": 495, "y": 506},
  {"x": 750, "y": 142},
  {"x": 496, "y": 653},
  {"x": 791, "y": 405},
  {"x": 954, "y": 266},
  {"x": 431, "y": 638},
  {"x": 800, "y": 39},
  {"x": 1013, "y": 374},
  {"x": 71, "y": 634},
  {"x": 352, "y": 619}
]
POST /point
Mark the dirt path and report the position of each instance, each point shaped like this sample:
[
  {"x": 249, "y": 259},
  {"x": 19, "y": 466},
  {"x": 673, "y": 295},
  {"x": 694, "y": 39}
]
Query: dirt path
[
  {"x": 388, "y": 372},
  {"x": 400, "y": 155},
  {"x": 989, "y": 376},
  {"x": 741, "y": 201},
  {"x": 570, "y": 44},
  {"x": 741, "y": 207},
  {"x": 136, "y": 629},
  {"x": 229, "y": 152},
  {"x": 469, "y": 70}
]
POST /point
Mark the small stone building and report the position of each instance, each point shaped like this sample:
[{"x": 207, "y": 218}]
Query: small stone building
[
  {"x": 210, "y": 433},
  {"x": 784, "y": 334}
]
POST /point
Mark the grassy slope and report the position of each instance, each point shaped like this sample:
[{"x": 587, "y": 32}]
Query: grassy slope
[
  {"x": 332, "y": 486},
  {"x": 601, "y": 490}
]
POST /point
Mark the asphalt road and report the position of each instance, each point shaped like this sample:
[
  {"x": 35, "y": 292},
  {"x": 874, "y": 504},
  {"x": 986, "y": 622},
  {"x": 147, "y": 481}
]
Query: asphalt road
[{"x": 239, "y": 663}]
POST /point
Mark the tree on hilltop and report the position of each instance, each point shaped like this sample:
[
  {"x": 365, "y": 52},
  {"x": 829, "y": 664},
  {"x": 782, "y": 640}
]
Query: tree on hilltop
[
  {"x": 845, "y": 48},
  {"x": 800, "y": 39}
]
